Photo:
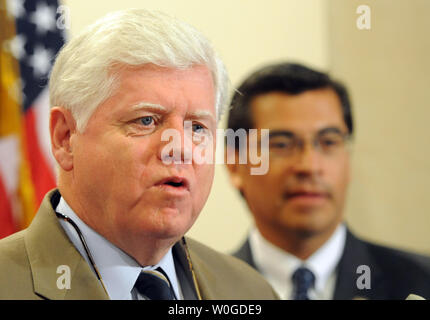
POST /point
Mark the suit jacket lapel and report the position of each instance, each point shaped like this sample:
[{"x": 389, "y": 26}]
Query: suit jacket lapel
[
  {"x": 244, "y": 253},
  {"x": 205, "y": 280},
  {"x": 184, "y": 271},
  {"x": 49, "y": 248},
  {"x": 355, "y": 254}
]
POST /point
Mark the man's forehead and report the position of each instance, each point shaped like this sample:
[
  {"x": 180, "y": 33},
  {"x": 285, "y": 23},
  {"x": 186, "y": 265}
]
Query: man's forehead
[
  {"x": 151, "y": 70},
  {"x": 313, "y": 109},
  {"x": 166, "y": 89}
]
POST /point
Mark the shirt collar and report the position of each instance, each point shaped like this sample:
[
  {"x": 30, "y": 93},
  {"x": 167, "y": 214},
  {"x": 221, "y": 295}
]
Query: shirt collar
[
  {"x": 325, "y": 260},
  {"x": 117, "y": 269},
  {"x": 265, "y": 254},
  {"x": 322, "y": 263},
  {"x": 168, "y": 266}
]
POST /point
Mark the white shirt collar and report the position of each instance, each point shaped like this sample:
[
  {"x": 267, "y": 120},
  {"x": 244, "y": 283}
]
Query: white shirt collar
[
  {"x": 322, "y": 263},
  {"x": 117, "y": 269}
]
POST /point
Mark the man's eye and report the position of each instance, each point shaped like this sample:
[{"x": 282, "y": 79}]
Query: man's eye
[
  {"x": 197, "y": 128},
  {"x": 146, "y": 121},
  {"x": 331, "y": 142},
  {"x": 281, "y": 144}
]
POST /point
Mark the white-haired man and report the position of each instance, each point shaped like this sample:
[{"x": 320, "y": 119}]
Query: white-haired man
[{"x": 115, "y": 226}]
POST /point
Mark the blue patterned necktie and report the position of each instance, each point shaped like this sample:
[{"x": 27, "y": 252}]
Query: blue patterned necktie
[
  {"x": 303, "y": 280},
  {"x": 154, "y": 285}
]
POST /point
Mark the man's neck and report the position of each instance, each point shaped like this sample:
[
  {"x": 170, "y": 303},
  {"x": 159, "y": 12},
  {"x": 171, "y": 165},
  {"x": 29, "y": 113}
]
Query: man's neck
[{"x": 146, "y": 251}]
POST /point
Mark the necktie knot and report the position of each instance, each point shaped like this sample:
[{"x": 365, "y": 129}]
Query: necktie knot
[
  {"x": 303, "y": 280},
  {"x": 154, "y": 285}
]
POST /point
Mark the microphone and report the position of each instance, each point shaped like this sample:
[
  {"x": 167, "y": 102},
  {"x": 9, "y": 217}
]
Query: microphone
[{"x": 414, "y": 297}]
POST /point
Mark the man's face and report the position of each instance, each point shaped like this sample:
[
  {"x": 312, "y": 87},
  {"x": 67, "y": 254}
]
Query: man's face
[
  {"x": 124, "y": 185},
  {"x": 304, "y": 190}
]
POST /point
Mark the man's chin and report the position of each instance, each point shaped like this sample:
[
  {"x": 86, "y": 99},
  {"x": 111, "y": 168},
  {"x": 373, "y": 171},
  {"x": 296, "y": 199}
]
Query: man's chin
[
  {"x": 158, "y": 223},
  {"x": 307, "y": 228},
  {"x": 170, "y": 230},
  {"x": 307, "y": 225}
]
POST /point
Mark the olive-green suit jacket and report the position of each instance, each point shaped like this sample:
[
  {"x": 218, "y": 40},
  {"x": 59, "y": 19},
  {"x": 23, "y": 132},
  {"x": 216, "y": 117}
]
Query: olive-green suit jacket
[{"x": 29, "y": 262}]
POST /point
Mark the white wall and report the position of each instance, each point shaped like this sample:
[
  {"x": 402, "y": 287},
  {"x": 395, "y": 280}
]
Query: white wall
[{"x": 388, "y": 71}]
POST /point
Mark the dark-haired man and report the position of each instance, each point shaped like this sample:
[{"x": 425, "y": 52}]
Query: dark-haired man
[{"x": 300, "y": 243}]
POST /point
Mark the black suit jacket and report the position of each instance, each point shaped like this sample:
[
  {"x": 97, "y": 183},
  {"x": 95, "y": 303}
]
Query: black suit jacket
[{"x": 394, "y": 273}]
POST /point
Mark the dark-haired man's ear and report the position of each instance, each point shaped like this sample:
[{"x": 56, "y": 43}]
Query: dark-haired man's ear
[
  {"x": 234, "y": 170},
  {"x": 62, "y": 125}
]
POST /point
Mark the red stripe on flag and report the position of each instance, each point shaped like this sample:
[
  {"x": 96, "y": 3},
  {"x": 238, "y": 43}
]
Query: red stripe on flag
[
  {"x": 41, "y": 173},
  {"x": 6, "y": 216}
]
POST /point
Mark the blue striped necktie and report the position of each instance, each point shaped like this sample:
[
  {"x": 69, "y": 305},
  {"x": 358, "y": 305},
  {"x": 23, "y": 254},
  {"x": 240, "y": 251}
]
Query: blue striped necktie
[
  {"x": 303, "y": 280},
  {"x": 154, "y": 285}
]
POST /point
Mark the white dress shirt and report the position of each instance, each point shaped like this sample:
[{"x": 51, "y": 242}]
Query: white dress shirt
[
  {"x": 117, "y": 269},
  {"x": 278, "y": 266}
]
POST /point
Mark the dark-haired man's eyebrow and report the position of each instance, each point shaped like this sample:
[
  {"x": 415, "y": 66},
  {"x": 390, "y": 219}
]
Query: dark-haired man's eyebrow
[
  {"x": 284, "y": 133},
  {"x": 333, "y": 130}
]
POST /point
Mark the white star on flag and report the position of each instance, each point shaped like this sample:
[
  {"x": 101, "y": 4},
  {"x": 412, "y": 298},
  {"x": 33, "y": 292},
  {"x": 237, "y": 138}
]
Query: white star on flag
[
  {"x": 16, "y": 46},
  {"x": 15, "y": 8},
  {"x": 40, "y": 61},
  {"x": 44, "y": 18}
]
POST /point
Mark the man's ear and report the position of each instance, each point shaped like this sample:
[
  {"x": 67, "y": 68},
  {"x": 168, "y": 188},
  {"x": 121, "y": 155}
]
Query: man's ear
[{"x": 62, "y": 126}]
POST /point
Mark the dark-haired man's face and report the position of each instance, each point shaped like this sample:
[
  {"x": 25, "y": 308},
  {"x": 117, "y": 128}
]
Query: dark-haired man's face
[{"x": 304, "y": 190}]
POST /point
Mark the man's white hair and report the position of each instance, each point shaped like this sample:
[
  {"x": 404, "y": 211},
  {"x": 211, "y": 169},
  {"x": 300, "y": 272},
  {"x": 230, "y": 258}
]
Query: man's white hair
[{"x": 87, "y": 68}]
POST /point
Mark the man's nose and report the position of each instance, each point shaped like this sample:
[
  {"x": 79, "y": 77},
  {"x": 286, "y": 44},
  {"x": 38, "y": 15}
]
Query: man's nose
[
  {"x": 176, "y": 143},
  {"x": 308, "y": 161}
]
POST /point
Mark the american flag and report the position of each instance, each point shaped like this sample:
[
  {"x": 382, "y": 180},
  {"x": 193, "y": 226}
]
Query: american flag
[{"x": 31, "y": 34}]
